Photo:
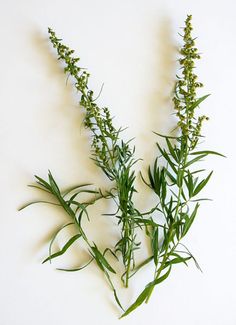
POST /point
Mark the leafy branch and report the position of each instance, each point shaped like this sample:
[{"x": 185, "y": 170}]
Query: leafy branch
[
  {"x": 109, "y": 152},
  {"x": 175, "y": 182}
]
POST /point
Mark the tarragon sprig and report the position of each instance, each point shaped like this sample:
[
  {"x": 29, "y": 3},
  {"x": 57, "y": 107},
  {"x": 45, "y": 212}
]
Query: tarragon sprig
[
  {"x": 110, "y": 153},
  {"x": 175, "y": 182}
]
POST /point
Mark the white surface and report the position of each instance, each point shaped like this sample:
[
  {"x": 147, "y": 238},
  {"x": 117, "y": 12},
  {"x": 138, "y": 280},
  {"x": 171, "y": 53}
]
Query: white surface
[{"x": 130, "y": 46}]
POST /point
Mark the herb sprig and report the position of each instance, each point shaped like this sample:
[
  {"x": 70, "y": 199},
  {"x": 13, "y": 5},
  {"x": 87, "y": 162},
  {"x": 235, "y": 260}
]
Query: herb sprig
[
  {"x": 109, "y": 152},
  {"x": 173, "y": 178},
  {"x": 175, "y": 182}
]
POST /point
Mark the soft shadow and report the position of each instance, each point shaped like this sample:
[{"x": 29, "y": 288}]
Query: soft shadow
[
  {"x": 161, "y": 107},
  {"x": 159, "y": 117},
  {"x": 66, "y": 108}
]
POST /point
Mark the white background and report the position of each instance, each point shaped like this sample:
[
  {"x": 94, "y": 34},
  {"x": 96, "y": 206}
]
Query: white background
[{"x": 131, "y": 47}]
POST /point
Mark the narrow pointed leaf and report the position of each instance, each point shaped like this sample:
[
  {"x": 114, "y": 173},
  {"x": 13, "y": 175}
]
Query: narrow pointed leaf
[
  {"x": 53, "y": 184},
  {"x": 39, "y": 188},
  {"x": 137, "y": 268},
  {"x": 178, "y": 260},
  {"x": 189, "y": 221},
  {"x": 172, "y": 150},
  {"x": 198, "y": 102},
  {"x": 202, "y": 184},
  {"x": 195, "y": 160},
  {"x": 208, "y": 152},
  {"x": 117, "y": 300},
  {"x": 155, "y": 243},
  {"x": 55, "y": 236},
  {"x": 163, "y": 277},
  {"x": 171, "y": 177},
  {"x": 168, "y": 159},
  {"x": 67, "y": 191},
  {"x": 64, "y": 249},
  {"x": 102, "y": 259},
  {"x": 43, "y": 183},
  {"x": 165, "y": 136},
  {"x": 141, "y": 298},
  {"x": 36, "y": 202}
]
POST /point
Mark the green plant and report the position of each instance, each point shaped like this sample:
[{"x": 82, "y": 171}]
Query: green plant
[
  {"x": 173, "y": 178},
  {"x": 175, "y": 181},
  {"x": 109, "y": 152}
]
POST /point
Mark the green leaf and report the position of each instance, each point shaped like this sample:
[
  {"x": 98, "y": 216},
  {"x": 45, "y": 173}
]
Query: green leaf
[
  {"x": 190, "y": 220},
  {"x": 53, "y": 184},
  {"x": 194, "y": 160},
  {"x": 180, "y": 175},
  {"x": 162, "y": 278},
  {"x": 39, "y": 188},
  {"x": 172, "y": 150},
  {"x": 202, "y": 184},
  {"x": 165, "y": 136},
  {"x": 189, "y": 184},
  {"x": 178, "y": 260},
  {"x": 183, "y": 195},
  {"x": 43, "y": 183},
  {"x": 111, "y": 252},
  {"x": 155, "y": 245},
  {"x": 145, "y": 182},
  {"x": 171, "y": 177},
  {"x": 197, "y": 171},
  {"x": 155, "y": 181},
  {"x": 191, "y": 255},
  {"x": 55, "y": 236},
  {"x": 156, "y": 178},
  {"x": 137, "y": 268},
  {"x": 143, "y": 221},
  {"x": 141, "y": 298},
  {"x": 203, "y": 199},
  {"x": 166, "y": 156},
  {"x": 99, "y": 257},
  {"x": 35, "y": 202},
  {"x": 163, "y": 186},
  {"x": 79, "y": 192},
  {"x": 64, "y": 249},
  {"x": 151, "y": 178},
  {"x": 207, "y": 152},
  {"x": 72, "y": 188},
  {"x": 117, "y": 299},
  {"x": 198, "y": 102}
]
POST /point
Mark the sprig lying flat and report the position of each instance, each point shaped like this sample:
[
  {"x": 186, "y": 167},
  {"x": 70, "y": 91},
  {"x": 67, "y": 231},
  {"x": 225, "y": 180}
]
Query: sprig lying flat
[
  {"x": 176, "y": 182},
  {"x": 173, "y": 178},
  {"x": 109, "y": 152}
]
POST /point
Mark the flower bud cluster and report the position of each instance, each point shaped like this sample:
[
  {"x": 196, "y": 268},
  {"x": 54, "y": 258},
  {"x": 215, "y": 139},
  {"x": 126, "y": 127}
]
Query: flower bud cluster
[
  {"x": 197, "y": 130},
  {"x": 186, "y": 86},
  {"x": 97, "y": 119}
]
